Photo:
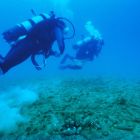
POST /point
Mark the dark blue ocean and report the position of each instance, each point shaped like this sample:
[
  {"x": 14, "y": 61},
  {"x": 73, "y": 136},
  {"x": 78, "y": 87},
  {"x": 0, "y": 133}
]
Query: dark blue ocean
[
  {"x": 62, "y": 99},
  {"x": 118, "y": 22}
]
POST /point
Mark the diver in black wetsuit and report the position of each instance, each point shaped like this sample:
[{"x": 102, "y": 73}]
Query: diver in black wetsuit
[
  {"x": 39, "y": 39},
  {"x": 85, "y": 52}
]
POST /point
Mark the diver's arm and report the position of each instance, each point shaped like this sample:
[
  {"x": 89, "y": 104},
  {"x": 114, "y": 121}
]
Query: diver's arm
[{"x": 60, "y": 40}]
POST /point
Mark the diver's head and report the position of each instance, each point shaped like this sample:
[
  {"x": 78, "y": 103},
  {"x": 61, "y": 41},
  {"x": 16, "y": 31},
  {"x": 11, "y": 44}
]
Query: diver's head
[
  {"x": 66, "y": 26},
  {"x": 62, "y": 26}
]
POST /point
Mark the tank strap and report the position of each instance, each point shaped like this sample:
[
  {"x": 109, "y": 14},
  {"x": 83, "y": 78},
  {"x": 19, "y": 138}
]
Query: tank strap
[
  {"x": 32, "y": 22},
  {"x": 45, "y": 16}
]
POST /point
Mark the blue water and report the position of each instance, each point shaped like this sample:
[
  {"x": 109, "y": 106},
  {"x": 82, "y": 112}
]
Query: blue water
[
  {"x": 118, "y": 21},
  {"x": 111, "y": 100}
]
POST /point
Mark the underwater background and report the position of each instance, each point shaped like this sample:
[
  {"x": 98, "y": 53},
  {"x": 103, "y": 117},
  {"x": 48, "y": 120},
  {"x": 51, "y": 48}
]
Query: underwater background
[{"x": 101, "y": 101}]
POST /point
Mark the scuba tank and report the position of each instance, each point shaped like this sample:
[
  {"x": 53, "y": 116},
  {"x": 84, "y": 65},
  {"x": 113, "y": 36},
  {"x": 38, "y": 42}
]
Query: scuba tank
[
  {"x": 20, "y": 30},
  {"x": 27, "y": 25}
]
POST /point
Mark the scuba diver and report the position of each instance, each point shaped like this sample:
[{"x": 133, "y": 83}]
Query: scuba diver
[
  {"x": 33, "y": 37},
  {"x": 86, "y": 49}
]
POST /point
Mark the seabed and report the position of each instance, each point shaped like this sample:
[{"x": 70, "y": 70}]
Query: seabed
[{"x": 80, "y": 109}]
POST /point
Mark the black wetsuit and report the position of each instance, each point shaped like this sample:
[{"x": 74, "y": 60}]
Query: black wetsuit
[
  {"x": 87, "y": 50},
  {"x": 40, "y": 38}
]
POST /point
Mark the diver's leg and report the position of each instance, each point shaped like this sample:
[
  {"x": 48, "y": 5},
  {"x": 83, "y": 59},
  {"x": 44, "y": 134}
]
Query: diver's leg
[
  {"x": 16, "y": 55},
  {"x": 67, "y": 56}
]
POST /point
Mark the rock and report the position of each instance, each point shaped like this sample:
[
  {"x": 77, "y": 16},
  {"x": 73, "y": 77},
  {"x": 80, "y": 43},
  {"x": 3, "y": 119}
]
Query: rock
[
  {"x": 137, "y": 120},
  {"x": 78, "y": 130},
  {"x": 124, "y": 127},
  {"x": 57, "y": 137},
  {"x": 75, "y": 137},
  {"x": 86, "y": 121},
  {"x": 69, "y": 132},
  {"x": 105, "y": 133}
]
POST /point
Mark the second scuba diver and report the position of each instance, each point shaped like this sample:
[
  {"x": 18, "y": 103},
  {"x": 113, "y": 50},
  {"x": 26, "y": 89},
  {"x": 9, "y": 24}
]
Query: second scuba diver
[
  {"x": 86, "y": 49},
  {"x": 32, "y": 37}
]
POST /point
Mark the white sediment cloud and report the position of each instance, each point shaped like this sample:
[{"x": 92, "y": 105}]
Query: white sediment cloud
[
  {"x": 11, "y": 103},
  {"x": 92, "y": 30}
]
